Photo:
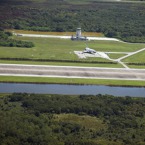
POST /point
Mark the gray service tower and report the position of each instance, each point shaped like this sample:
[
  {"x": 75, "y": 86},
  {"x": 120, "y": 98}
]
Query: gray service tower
[{"x": 78, "y": 35}]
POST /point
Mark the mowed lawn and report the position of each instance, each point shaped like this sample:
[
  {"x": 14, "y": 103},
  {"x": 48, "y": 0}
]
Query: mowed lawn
[
  {"x": 137, "y": 58},
  {"x": 63, "y": 49}
]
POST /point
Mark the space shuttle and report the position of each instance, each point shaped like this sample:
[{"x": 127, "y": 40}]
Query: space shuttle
[{"x": 89, "y": 50}]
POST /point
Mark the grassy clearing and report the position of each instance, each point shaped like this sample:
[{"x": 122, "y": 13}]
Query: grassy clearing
[
  {"x": 72, "y": 81},
  {"x": 62, "y": 49},
  {"x": 95, "y": 34},
  {"x": 86, "y": 121},
  {"x": 115, "y": 56},
  {"x": 113, "y": 46}
]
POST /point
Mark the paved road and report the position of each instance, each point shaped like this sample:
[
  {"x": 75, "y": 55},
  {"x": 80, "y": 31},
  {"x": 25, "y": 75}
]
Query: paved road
[
  {"x": 71, "y": 72},
  {"x": 66, "y": 37},
  {"x": 130, "y": 54}
]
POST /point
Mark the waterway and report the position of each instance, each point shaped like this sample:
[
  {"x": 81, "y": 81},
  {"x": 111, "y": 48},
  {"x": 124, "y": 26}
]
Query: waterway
[{"x": 71, "y": 89}]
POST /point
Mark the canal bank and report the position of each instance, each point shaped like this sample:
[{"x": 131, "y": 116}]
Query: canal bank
[{"x": 73, "y": 81}]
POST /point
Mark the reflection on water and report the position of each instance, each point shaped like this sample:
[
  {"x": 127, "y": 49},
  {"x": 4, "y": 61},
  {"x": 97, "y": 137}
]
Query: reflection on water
[{"x": 71, "y": 89}]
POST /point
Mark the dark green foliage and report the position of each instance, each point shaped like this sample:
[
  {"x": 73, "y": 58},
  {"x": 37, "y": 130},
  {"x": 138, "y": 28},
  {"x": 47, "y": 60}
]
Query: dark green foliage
[
  {"x": 115, "y": 19},
  {"x": 141, "y": 64},
  {"x": 7, "y": 42},
  {"x": 30, "y": 119}
]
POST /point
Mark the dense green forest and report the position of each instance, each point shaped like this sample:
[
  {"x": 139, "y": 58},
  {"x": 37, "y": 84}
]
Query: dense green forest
[
  {"x": 123, "y": 20},
  {"x": 30, "y": 119},
  {"x": 6, "y": 41}
]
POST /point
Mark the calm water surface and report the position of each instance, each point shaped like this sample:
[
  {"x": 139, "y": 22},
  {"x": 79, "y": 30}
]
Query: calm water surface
[{"x": 71, "y": 89}]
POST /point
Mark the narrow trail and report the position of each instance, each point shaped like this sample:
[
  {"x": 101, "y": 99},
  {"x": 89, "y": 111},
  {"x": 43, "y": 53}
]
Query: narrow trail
[{"x": 125, "y": 66}]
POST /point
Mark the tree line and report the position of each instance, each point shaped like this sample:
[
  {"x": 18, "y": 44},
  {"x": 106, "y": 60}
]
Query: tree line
[
  {"x": 9, "y": 42},
  {"x": 38, "y": 119},
  {"x": 121, "y": 20}
]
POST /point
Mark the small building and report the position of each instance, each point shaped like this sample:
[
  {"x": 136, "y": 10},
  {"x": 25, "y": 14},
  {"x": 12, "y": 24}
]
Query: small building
[{"x": 79, "y": 35}]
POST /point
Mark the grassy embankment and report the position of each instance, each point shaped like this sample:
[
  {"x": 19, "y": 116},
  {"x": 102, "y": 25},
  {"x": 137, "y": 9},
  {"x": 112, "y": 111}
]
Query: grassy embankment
[
  {"x": 108, "y": 82},
  {"x": 62, "y": 63}
]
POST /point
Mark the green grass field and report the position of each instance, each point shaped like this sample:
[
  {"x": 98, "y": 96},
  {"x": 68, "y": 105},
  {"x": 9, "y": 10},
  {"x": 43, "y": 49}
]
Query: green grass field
[
  {"x": 72, "y": 81},
  {"x": 62, "y": 49},
  {"x": 137, "y": 58},
  {"x": 89, "y": 122},
  {"x": 137, "y": 66},
  {"x": 114, "y": 56}
]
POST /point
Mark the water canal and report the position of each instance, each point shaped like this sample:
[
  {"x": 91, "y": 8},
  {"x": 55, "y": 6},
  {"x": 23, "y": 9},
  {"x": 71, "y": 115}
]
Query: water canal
[{"x": 71, "y": 89}]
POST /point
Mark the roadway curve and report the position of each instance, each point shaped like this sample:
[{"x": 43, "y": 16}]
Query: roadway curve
[{"x": 71, "y": 72}]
